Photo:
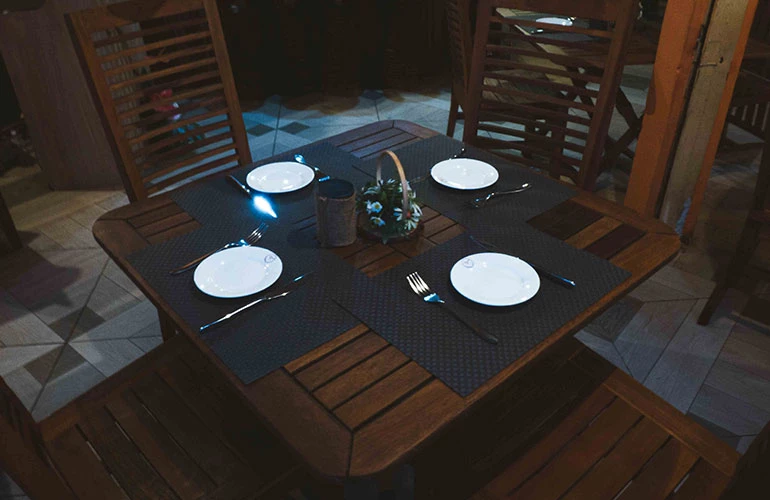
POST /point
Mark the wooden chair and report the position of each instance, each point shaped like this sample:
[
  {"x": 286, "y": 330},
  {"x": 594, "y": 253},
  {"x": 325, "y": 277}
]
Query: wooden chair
[
  {"x": 458, "y": 13},
  {"x": 585, "y": 429},
  {"x": 162, "y": 80},
  {"x": 563, "y": 128},
  {"x": 755, "y": 229},
  {"x": 751, "y": 96},
  {"x": 167, "y": 426}
]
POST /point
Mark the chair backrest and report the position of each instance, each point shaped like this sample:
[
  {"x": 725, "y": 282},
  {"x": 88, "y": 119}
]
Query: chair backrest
[
  {"x": 162, "y": 79},
  {"x": 22, "y": 454},
  {"x": 458, "y": 13},
  {"x": 546, "y": 99}
]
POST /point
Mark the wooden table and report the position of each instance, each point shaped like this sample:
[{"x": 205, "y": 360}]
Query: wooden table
[{"x": 357, "y": 406}]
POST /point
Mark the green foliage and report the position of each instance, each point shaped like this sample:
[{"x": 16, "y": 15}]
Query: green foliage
[{"x": 382, "y": 206}]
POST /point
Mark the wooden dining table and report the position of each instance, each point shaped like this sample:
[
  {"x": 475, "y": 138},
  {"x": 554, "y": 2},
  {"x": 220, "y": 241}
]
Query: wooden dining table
[{"x": 357, "y": 406}]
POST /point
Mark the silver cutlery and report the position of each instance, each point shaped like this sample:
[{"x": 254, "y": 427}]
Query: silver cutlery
[
  {"x": 559, "y": 279},
  {"x": 301, "y": 159},
  {"x": 260, "y": 201},
  {"x": 421, "y": 288},
  {"x": 249, "y": 240},
  {"x": 276, "y": 294},
  {"x": 480, "y": 202},
  {"x": 243, "y": 187},
  {"x": 421, "y": 178}
]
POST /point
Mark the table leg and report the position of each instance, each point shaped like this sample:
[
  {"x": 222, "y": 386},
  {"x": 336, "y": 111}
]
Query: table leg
[
  {"x": 8, "y": 228},
  {"x": 167, "y": 326}
]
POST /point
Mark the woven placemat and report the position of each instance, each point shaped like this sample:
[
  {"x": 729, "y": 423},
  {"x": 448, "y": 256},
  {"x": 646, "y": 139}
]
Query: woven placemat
[
  {"x": 419, "y": 158},
  {"x": 449, "y": 349},
  {"x": 273, "y": 333},
  {"x": 219, "y": 202}
]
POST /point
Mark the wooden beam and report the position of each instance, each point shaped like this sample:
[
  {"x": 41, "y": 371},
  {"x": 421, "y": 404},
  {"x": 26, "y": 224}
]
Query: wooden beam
[
  {"x": 739, "y": 32},
  {"x": 677, "y": 52},
  {"x": 701, "y": 108}
]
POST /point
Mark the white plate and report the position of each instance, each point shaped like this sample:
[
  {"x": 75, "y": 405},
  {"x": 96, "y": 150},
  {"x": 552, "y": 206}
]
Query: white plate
[
  {"x": 281, "y": 177},
  {"x": 464, "y": 173},
  {"x": 560, "y": 21},
  {"x": 238, "y": 272},
  {"x": 494, "y": 279}
]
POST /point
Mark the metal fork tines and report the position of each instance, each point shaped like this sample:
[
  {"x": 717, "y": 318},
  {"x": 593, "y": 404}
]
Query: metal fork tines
[
  {"x": 421, "y": 288},
  {"x": 251, "y": 239}
]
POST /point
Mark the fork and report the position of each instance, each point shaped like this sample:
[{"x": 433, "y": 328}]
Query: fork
[
  {"x": 301, "y": 159},
  {"x": 421, "y": 288},
  {"x": 251, "y": 239},
  {"x": 480, "y": 202}
]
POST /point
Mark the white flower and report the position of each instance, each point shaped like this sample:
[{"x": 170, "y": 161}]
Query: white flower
[
  {"x": 373, "y": 208},
  {"x": 377, "y": 221},
  {"x": 416, "y": 211},
  {"x": 373, "y": 190},
  {"x": 398, "y": 213}
]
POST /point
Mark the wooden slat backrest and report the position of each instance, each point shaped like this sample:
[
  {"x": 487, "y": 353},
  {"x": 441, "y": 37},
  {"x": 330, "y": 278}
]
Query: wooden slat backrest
[
  {"x": 460, "y": 44},
  {"x": 22, "y": 454},
  {"x": 544, "y": 99},
  {"x": 752, "y": 117},
  {"x": 160, "y": 72}
]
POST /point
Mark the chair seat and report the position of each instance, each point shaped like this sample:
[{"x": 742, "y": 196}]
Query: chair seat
[
  {"x": 620, "y": 442},
  {"x": 168, "y": 426}
]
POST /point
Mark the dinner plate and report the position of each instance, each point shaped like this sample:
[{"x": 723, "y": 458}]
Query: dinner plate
[
  {"x": 237, "y": 272},
  {"x": 464, "y": 173},
  {"x": 560, "y": 21},
  {"x": 281, "y": 177},
  {"x": 494, "y": 279}
]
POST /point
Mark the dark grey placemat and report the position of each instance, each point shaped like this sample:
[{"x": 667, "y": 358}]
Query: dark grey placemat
[
  {"x": 271, "y": 334},
  {"x": 420, "y": 157},
  {"x": 218, "y": 202},
  {"x": 446, "y": 347}
]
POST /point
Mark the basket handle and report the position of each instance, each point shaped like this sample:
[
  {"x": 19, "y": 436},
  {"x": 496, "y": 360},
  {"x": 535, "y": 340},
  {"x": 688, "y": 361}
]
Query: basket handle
[{"x": 401, "y": 174}]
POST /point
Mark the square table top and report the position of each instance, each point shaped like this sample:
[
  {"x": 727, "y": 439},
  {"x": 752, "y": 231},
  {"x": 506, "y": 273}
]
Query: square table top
[{"x": 356, "y": 405}]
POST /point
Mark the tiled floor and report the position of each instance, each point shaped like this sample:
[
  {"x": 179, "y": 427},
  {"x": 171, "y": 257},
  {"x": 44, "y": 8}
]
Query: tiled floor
[{"x": 69, "y": 317}]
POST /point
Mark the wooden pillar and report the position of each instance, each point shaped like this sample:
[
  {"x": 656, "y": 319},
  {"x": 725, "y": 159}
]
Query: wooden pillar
[
  {"x": 709, "y": 103},
  {"x": 699, "y": 54},
  {"x": 674, "y": 62},
  {"x": 701, "y": 176}
]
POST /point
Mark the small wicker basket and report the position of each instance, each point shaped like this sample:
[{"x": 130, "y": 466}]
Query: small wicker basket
[{"x": 367, "y": 230}]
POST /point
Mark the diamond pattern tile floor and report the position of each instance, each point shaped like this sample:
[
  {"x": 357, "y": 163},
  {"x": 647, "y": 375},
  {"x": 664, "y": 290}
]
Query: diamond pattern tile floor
[{"x": 69, "y": 317}]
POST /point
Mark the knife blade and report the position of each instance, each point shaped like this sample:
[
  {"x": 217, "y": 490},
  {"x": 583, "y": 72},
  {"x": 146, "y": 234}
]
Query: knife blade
[
  {"x": 555, "y": 277},
  {"x": 261, "y": 202},
  {"x": 275, "y": 294}
]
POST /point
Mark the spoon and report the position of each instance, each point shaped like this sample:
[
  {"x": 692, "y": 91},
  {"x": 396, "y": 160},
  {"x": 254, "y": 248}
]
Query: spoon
[
  {"x": 301, "y": 159},
  {"x": 480, "y": 202}
]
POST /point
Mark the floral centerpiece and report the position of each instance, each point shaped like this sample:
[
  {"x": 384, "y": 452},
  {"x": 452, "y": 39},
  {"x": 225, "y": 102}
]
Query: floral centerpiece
[{"x": 388, "y": 209}]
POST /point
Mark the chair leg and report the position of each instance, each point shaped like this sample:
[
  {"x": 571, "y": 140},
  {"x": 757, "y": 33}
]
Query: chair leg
[
  {"x": 454, "y": 108},
  {"x": 167, "y": 326},
  {"x": 747, "y": 243}
]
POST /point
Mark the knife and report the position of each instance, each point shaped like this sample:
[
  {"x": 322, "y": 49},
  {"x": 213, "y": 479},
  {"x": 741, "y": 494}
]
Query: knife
[
  {"x": 281, "y": 292},
  {"x": 559, "y": 279},
  {"x": 260, "y": 202}
]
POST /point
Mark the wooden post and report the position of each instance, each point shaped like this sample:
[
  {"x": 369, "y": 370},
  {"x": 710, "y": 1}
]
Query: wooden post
[
  {"x": 672, "y": 198},
  {"x": 700, "y": 107},
  {"x": 677, "y": 51}
]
